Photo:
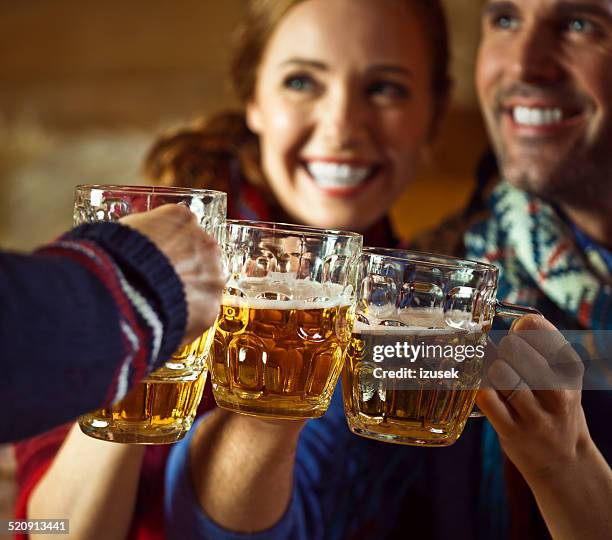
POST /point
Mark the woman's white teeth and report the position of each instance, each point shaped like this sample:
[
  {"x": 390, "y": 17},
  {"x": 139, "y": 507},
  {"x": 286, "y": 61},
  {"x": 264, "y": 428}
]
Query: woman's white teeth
[
  {"x": 337, "y": 175},
  {"x": 535, "y": 116}
]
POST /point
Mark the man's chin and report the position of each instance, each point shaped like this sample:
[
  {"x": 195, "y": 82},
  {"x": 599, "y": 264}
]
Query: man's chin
[
  {"x": 538, "y": 176},
  {"x": 545, "y": 184},
  {"x": 536, "y": 184}
]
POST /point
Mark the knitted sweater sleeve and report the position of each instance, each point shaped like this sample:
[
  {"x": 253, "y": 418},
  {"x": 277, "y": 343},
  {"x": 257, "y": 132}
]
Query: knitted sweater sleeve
[{"x": 82, "y": 320}]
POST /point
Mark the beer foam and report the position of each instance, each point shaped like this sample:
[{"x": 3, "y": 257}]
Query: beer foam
[
  {"x": 283, "y": 291},
  {"x": 417, "y": 321}
]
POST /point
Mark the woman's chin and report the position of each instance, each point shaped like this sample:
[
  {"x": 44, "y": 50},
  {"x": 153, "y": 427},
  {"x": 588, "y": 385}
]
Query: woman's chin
[
  {"x": 318, "y": 208},
  {"x": 338, "y": 219}
]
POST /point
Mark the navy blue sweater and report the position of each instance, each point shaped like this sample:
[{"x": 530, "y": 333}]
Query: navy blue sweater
[{"x": 81, "y": 321}]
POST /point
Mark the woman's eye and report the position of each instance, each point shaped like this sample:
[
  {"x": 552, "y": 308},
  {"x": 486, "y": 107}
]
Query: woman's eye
[
  {"x": 505, "y": 22},
  {"x": 299, "y": 83},
  {"x": 388, "y": 90}
]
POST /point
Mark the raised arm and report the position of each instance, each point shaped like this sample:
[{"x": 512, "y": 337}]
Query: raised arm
[
  {"x": 241, "y": 478},
  {"x": 86, "y": 317},
  {"x": 544, "y": 431},
  {"x": 93, "y": 484},
  {"x": 241, "y": 470}
]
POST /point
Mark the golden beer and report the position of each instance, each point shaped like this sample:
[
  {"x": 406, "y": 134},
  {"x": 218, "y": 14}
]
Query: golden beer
[
  {"x": 161, "y": 408},
  {"x": 286, "y": 317},
  {"x": 278, "y": 359},
  {"x": 423, "y": 410},
  {"x": 416, "y": 357}
]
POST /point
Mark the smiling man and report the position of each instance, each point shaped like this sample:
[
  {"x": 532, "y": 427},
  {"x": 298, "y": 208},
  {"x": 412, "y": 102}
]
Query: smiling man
[
  {"x": 545, "y": 84},
  {"x": 543, "y": 213}
]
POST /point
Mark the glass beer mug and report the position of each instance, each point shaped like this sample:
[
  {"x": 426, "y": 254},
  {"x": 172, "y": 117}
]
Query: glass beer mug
[
  {"x": 285, "y": 320},
  {"x": 161, "y": 408},
  {"x": 415, "y": 360}
]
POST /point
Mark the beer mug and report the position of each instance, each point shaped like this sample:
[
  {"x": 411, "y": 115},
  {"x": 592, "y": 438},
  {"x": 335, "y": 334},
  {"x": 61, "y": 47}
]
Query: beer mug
[
  {"x": 415, "y": 360},
  {"x": 161, "y": 408},
  {"x": 285, "y": 319}
]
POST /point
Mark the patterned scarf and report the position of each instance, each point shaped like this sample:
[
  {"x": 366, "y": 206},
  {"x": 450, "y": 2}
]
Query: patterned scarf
[{"x": 542, "y": 264}]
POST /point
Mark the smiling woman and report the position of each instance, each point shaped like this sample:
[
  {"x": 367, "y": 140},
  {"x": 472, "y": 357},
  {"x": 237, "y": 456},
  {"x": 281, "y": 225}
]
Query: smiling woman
[
  {"x": 341, "y": 99},
  {"x": 343, "y": 117},
  {"x": 337, "y": 116}
]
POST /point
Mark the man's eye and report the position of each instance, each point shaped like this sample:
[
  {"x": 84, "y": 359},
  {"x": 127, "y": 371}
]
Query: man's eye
[
  {"x": 299, "y": 83},
  {"x": 581, "y": 26},
  {"x": 388, "y": 90}
]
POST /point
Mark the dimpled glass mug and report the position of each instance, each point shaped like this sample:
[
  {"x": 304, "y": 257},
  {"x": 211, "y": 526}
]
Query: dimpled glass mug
[
  {"x": 415, "y": 360},
  {"x": 161, "y": 408},
  {"x": 285, "y": 320}
]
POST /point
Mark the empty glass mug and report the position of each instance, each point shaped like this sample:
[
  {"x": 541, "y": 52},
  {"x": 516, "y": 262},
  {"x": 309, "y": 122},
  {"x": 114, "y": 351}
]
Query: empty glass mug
[
  {"x": 285, "y": 320},
  {"x": 415, "y": 360},
  {"x": 161, "y": 408}
]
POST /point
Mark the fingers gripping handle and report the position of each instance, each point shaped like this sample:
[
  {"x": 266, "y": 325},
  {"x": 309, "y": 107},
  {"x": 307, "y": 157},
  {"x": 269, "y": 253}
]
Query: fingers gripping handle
[{"x": 505, "y": 309}]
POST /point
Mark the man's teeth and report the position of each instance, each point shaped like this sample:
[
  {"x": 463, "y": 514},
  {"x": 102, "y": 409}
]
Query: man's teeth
[
  {"x": 337, "y": 175},
  {"x": 529, "y": 116}
]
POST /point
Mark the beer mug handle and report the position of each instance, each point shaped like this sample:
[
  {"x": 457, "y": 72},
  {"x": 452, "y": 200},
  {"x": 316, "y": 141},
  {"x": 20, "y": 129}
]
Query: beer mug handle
[{"x": 505, "y": 309}]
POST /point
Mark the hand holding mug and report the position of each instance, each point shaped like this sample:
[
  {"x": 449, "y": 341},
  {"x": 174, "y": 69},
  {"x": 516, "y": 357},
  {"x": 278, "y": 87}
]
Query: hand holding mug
[
  {"x": 195, "y": 256},
  {"x": 534, "y": 403}
]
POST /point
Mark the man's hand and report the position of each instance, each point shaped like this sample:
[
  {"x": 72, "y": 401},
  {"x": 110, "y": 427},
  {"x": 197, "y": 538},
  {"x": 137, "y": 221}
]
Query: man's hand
[
  {"x": 195, "y": 256},
  {"x": 534, "y": 404},
  {"x": 535, "y": 408}
]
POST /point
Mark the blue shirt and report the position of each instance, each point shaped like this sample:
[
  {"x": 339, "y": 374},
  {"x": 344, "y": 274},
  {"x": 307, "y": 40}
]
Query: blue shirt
[{"x": 349, "y": 487}]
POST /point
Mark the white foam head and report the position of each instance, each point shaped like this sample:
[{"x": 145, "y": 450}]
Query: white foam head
[
  {"x": 415, "y": 321},
  {"x": 283, "y": 291}
]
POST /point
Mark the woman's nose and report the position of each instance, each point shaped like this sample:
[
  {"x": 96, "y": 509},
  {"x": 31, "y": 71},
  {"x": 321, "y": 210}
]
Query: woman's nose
[{"x": 343, "y": 117}]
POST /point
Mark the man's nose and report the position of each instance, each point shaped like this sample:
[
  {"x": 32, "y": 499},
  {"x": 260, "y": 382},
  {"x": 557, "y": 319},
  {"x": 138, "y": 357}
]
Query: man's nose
[
  {"x": 343, "y": 118},
  {"x": 535, "y": 58}
]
